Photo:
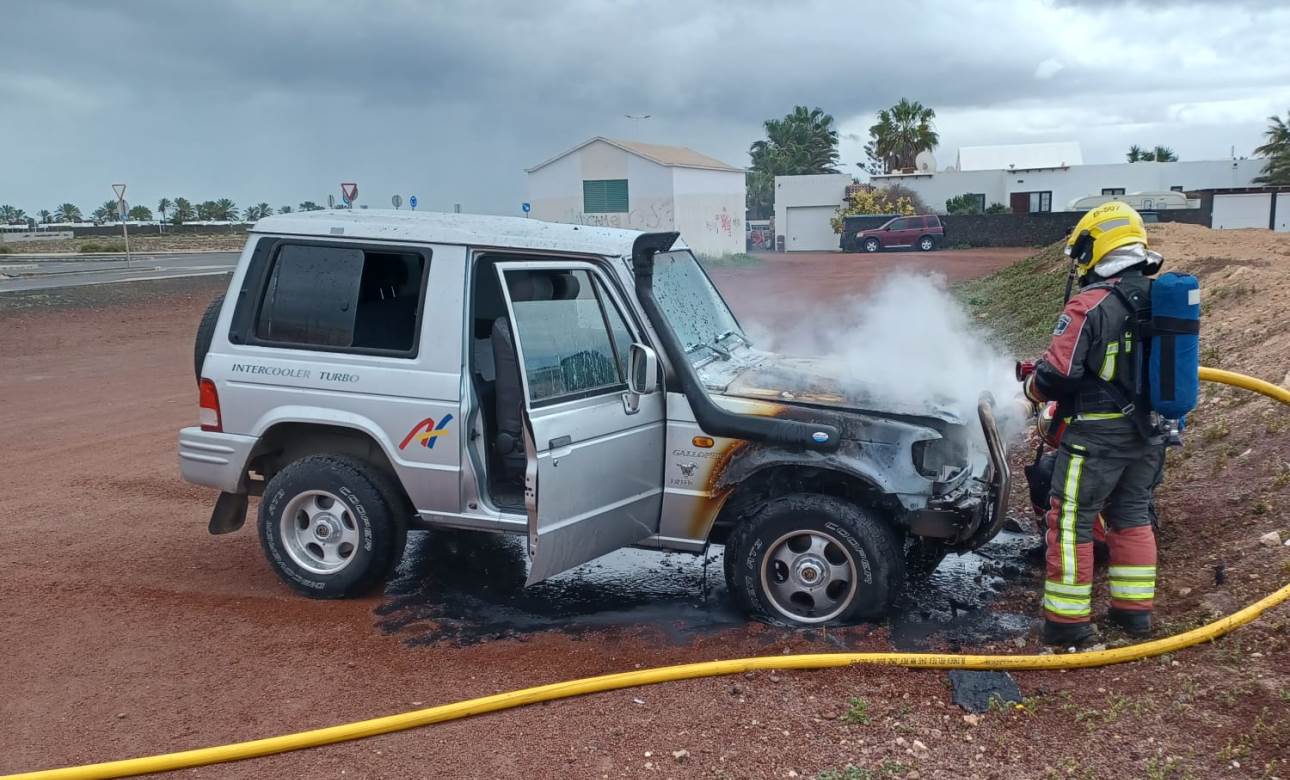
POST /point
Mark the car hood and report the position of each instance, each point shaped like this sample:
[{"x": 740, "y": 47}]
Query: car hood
[{"x": 766, "y": 376}]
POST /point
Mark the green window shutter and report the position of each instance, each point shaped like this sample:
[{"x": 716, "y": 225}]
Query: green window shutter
[{"x": 604, "y": 196}]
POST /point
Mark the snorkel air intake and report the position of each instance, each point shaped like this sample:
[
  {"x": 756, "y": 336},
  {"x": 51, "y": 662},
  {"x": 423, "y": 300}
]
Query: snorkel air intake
[{"x": 713, "y": 419}]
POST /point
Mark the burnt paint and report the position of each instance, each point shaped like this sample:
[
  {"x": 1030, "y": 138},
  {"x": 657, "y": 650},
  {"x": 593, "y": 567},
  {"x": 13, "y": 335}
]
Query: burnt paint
[{"x": 467, "y": 588}]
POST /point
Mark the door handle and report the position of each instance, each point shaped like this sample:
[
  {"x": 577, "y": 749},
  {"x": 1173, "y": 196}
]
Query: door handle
[{"x": 558, "y": 442}]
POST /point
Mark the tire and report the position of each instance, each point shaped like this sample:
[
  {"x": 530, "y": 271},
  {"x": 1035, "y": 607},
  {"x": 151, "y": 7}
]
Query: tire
[
  {"x": 926, "y": 244},
  {"x": 871, "y": 245},
  {"x": 206, "y": 332},
  {"x": 326, "y": 497},
  {"x": 813, "y": 532}
]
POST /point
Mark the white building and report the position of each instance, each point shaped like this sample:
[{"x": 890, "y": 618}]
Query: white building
[
  {"x": 1050, "y": 177},
  {"x": 803, "y": 207},
  {"x": 642, "y": 186}
]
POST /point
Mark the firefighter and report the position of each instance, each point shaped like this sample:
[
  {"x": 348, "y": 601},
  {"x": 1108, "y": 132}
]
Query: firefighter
[{"x": 1112, "y": 451}]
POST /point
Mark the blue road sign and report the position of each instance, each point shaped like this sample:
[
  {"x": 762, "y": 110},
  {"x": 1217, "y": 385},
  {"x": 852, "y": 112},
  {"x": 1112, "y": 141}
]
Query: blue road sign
[
  {"x": 412, "y": 201},
  {"x": 526, "y": 206}
]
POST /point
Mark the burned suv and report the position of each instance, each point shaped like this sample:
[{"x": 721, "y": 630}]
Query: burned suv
[{"x": 370, "y": 372}]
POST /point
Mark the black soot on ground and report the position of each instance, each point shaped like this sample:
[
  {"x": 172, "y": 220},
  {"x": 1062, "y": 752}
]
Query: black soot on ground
[{"x": 468, "y": 588}]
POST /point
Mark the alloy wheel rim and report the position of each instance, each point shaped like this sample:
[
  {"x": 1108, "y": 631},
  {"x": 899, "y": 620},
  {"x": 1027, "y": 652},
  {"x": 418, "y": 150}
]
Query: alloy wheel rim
[
  {"x": 319, "y": 532},
  {"x": 809, "y": 576}
]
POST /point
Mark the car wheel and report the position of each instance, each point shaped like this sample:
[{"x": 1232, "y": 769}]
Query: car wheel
[
  {"x": 871, "y": 245},
  {"x": 926, "y": 243},
  {"x": 330, "y": 527},
  {"x": 205, "y": 332},
  {"x": 808, "y": 559}
]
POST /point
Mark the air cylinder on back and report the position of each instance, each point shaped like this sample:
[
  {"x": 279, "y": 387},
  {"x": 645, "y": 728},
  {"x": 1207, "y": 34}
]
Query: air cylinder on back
[{"x": 1175, "y": 345}]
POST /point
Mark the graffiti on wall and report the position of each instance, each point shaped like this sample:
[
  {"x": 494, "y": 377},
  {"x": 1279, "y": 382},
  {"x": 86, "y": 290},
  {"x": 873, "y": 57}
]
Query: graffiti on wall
[
  {"x": 657, "y": 214},
  {"x": 722, "y": 222}
]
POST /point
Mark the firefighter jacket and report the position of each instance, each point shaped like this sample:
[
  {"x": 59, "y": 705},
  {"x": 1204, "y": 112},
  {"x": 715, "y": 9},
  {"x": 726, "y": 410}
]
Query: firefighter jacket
[{"x": 1094, "y": 366}]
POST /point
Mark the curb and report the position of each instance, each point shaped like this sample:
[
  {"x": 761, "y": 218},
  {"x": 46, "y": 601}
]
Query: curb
[
  {"x": 43, "y": 274},
  {"x": 96, "y": 256}
]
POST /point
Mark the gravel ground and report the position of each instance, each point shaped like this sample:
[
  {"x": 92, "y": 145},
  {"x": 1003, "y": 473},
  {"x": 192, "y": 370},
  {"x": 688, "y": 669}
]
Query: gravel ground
[{"x": 128, "y": 630}]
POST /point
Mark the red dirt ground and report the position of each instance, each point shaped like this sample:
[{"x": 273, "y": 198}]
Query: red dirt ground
[{"x": 127, "y": 630}]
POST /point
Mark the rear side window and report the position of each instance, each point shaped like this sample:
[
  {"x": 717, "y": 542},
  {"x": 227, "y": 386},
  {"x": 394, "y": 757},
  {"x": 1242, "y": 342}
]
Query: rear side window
[{"x": 342, "y": 298}]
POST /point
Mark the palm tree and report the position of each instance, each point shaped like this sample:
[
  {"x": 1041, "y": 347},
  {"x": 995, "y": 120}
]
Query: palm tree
[
  {"x": 68, "y": 212},
  {"x": 803, "y": 142},
  {"x": 284, "y": 209},
  {"x": 205, "y": 209},
  {"x": 225, "y": 210},
  {"x": 163, "y": 206},
  {"x": 1159, "y": 154},
  {"x": 107, "y": 212},
  {"x": 45, "y": 216},
  {"x": 257, "y": 212},
  {"x": 1135, "y": 154},
  {"x": 901, "y": 133},
  {"x": 10, "y": 215},
  {"x": 184, "y": 212},
  {"x": 309, "y": 205},
  {"x": 1277, "y": 149},
  {"x": 140, "y": 214},
  {"x": 1163, "y": 154}
]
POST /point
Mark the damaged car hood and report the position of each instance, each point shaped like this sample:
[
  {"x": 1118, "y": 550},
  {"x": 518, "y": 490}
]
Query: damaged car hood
[{"x": 766, "y": 376}]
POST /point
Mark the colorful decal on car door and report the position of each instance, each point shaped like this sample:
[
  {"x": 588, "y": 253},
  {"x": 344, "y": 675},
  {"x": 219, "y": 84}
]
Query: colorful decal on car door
[{"x": 426, "y": 432}]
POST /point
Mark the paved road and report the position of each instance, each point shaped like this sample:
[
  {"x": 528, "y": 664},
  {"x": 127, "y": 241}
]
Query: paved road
[{"x": 46, "y": 273}]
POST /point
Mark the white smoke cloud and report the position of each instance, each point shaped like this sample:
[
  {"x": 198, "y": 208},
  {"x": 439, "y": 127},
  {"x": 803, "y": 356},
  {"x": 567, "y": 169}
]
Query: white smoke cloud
[{"x": 908, "y": 340}]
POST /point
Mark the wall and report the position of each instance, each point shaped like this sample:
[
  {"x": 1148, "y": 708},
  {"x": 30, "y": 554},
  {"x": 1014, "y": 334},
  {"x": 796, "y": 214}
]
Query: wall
[
  {"x": 1032, "y": 229},
  {"x": 1069, "y": 184},
  {"x": 555, "y": 190},
  {"x": 709, "y": 209},
  {"x": 825, "y": 189}
]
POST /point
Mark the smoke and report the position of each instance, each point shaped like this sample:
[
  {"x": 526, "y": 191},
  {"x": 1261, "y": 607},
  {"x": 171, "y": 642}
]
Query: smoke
[{"x": 909, "y": 340}]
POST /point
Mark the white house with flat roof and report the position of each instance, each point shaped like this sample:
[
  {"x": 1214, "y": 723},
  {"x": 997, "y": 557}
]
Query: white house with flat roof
[
  {"x": 629, "y": 184},
  {"x": 1051, "y": 177}
]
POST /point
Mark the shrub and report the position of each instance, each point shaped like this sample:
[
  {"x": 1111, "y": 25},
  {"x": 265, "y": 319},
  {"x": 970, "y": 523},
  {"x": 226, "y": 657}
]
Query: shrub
[
  {"x": 997, "y": 208},
  {"x": 963, "y": 204},
  {"x": 868, "y": 199},
  {"x": 92, "y": 247}
]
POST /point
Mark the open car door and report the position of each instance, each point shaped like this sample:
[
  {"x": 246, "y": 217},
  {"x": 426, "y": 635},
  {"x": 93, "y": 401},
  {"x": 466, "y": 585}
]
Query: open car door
[{"x": 594, "y": 478}]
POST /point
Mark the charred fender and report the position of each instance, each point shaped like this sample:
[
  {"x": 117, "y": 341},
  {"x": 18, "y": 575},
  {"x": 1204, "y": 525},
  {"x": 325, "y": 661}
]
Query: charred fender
[{"x": 713, "y": 419}]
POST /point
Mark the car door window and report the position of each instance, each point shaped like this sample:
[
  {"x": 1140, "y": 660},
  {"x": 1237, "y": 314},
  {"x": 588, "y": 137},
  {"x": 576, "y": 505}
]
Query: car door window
[
  {"x": 899, "y": 224},
  {"x": 569, "y": 347}
]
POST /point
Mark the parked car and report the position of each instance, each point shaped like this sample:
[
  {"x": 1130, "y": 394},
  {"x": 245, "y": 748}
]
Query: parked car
[
  {"x": 374, "y": 371},
  {"x": 923, "y": 231}
]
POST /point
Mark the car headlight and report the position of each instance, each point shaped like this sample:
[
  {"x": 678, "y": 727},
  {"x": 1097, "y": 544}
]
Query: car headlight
[{"x": 940, "y": 459}]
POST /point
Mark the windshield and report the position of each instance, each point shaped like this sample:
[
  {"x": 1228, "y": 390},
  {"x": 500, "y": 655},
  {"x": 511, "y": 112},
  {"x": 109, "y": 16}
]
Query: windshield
[{"x": 690, "y": 302}]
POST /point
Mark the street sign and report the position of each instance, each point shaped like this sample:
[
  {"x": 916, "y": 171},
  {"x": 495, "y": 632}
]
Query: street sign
[
  {"x": 331, "y": 201},
  {"x": 397, "y": 200},
  {"x": 412, "y": 201},
  {"x": 119, "y": 190},
  {"x": 349, "y": 191},
  {"x": 525, "y": 207}
]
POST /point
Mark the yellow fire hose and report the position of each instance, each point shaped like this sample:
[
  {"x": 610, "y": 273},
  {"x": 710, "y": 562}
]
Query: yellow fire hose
[{"x": 609, "y": 682}]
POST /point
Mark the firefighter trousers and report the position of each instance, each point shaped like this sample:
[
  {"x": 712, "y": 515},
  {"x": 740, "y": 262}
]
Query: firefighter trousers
[{"x": 1107, "y": 467}]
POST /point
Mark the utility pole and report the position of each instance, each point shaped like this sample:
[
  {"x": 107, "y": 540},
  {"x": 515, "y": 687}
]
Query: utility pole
[{"x": 119, "y": 191}]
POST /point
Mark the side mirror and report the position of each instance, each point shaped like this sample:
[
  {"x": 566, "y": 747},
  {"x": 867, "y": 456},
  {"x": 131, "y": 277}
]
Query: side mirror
[{"x": 642, "y": 369}]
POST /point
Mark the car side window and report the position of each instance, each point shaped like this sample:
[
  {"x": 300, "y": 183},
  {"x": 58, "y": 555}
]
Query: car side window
[
  {"x": 900, "y": 224},
  {"x": 342, "y": 298},
  {"x": 565, "y": 329}
]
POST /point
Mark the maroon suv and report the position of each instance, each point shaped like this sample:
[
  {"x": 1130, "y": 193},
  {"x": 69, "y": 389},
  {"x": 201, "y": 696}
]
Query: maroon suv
[{"x": 923, "y": 232}]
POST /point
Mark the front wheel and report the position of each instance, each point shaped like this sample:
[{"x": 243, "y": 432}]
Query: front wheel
[
  {"x": 330, "y": 527},
  {"x": 871, "y": 245},
  {"x": 808, "y": 559}
]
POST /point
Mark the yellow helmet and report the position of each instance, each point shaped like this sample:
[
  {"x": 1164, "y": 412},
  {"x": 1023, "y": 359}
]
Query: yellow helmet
[{"x": 1102, "y": 230}]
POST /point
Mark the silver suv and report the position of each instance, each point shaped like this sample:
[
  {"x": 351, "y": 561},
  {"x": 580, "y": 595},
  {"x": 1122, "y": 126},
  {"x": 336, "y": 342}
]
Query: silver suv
[{"x": 375, "y": 371}]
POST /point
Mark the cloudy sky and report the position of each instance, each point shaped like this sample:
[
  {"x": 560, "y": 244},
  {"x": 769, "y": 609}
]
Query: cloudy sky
[{"x": 280, "y": 100}]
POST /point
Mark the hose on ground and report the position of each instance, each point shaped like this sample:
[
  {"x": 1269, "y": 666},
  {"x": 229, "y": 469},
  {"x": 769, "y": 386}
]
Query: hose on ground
[{"x": 562, "y": 690}]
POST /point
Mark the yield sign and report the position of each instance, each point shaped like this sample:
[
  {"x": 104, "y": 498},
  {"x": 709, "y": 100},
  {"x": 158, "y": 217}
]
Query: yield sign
[
  {"x": 119, "y": 189},
  {"x": 349, "y": 191}
]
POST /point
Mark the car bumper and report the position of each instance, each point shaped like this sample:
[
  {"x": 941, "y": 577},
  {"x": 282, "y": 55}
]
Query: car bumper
[
  {"x": 973, "y": 514},
  {"x": 216, "y": 460}
]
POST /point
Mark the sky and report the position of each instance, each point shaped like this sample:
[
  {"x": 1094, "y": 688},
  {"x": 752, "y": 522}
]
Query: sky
[{"x": 281, "y": 100}]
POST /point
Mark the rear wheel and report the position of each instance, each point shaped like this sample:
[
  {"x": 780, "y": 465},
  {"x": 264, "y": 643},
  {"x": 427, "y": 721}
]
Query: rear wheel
[
  {"x": 871, "y": 245},
  {"x": 330, "y": 526},
  {"x": 808, "y": 559},
  {"x": 926, "y": 243}
]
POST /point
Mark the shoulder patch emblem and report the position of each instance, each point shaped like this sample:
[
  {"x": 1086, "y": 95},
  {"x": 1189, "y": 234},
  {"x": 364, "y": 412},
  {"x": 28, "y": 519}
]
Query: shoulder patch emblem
[{"x": 1063, "y": 322}]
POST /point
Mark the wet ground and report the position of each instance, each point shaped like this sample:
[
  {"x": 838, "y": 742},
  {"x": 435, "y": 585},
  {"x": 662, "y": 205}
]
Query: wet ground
[{"x": 466, "y": 588}]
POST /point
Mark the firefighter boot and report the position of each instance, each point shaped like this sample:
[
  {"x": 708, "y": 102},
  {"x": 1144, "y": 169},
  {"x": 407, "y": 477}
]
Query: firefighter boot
[
  {"x": 1066, "y": 634},
  {"x": 1135, "y": 622}
]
